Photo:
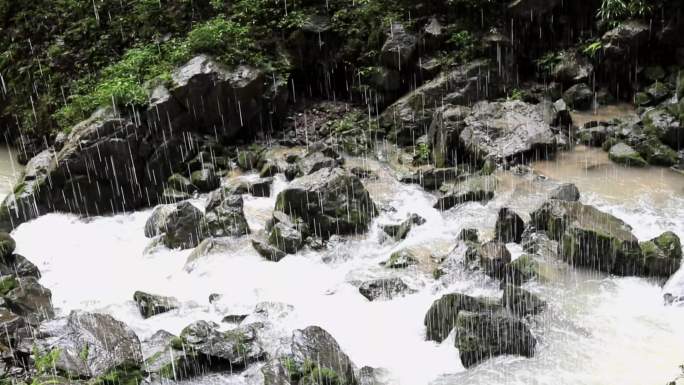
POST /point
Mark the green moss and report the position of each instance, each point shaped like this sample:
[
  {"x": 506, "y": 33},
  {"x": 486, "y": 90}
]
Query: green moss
[
  {"x": 7, "y": 284},
  {"x": 45, "y": 362},
  {"x": 177, "y": 343},
  {"x": 120, "y": 376}
]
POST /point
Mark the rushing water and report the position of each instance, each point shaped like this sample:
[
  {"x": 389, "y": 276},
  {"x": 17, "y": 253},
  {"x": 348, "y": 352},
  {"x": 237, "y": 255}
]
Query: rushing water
[{"x": 598, "y": 329}]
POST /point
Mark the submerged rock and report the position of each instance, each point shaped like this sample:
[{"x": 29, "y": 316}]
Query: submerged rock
[
  {"x": 267, "y": 251},
  {"x": 474, "y": 189},
  {"x": 400, "y": 231},
  {"x": 384, "y": 289},
  {"x": 330, "y": 201},
  {"x": 151, "y": 304},
  {"x": 401, "y": 259}
]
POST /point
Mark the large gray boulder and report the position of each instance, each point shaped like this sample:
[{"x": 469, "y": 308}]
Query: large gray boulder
[
  {"x": 236, "y": 95},
  {"x": 492, "y": 130},
  {"x": 87, "y": 345},
  {"x": 331, "y": 201},
  {"x": 182, "y": 225},
  {"x": 589, "y": 237}
]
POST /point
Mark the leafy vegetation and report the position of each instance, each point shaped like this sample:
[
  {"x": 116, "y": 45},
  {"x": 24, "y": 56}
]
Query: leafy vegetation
[{"x": 613, "y": 11}]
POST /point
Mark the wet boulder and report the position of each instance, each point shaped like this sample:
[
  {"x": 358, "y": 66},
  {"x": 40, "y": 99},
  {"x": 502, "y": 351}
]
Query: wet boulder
[
  {"x": 318, "y": 160},
  {"x": 623, "y": 154},
  {"x": 432, "y": 178},
  {"x": 330, "y": 201},
  {"x": 579, "y": 97},
  {"x": 480, "y": 336},
  {"x": 180, "y": 183},
  {"x": 662, "y": 255},
  {"x": 410, "y": 116},
  {"x": 494, "y": 257},
  {"x": 286, "y": 238},
  {"x": 384, "y": 289},
  {"x": 17, "y": 265},
  {"x": 473, "y": 189},
  {"x": 496, "y": 130},
  {"x": 237, "y": 94},
  {"x": 267, "y": 250},
  {"x": 539, "y": 243},
  {"x": 572, "y": 67},
  {"x": 218, "y": 350},
  {"x": 100, "y": 169},
  {"x": 399, "y": 48},
  {"x": 7, "y": 245},
  {"x": 316, "y": 346},
  {"x": 565, "y": 192},
  {"x": 400, "y": 230},
  {"x": 151, "y": 304},
  {"x": 625, "y": 38},
  {"x": 401, "y": 259},
  {"x": 523, "y": 269},
  {"x": 441, "y": 318},
  {"x": 657, "y": 153},
  {"x": 88, "y": 345},
  {"x": 469, "y": 235},
  {"x": 260, "y": 187},
  {"x": 27, "y": 201},
  {"x": 664, "y": 125},
  {"x": 509, "y": 226},
  {"x": 182, "y": 225},
  {"x": 521, "y": 302},
  {"x": 205, "y": 179},
  {"x": 589, "y": 237},
  {"x": 226, "y": 216},
  {"x": 29, "y": 299}
]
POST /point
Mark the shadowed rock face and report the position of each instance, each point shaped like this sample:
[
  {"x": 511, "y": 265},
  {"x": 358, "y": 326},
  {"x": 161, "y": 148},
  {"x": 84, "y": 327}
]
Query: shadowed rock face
[
  {"x": 331, "y": 201},
  {"x": 112, "y": 163}
]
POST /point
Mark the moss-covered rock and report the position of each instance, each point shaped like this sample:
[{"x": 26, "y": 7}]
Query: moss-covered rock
[
  {"x": 401, "y": 259},
  {"x": 521, "y": 302},
  {"x": 656, "y": 153},
  {"x": 589, "y": 237},
  {"x": 480, "y": 336},
  {"x": 626, "y": 155},
  {"x": 662, "y": 255}
]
